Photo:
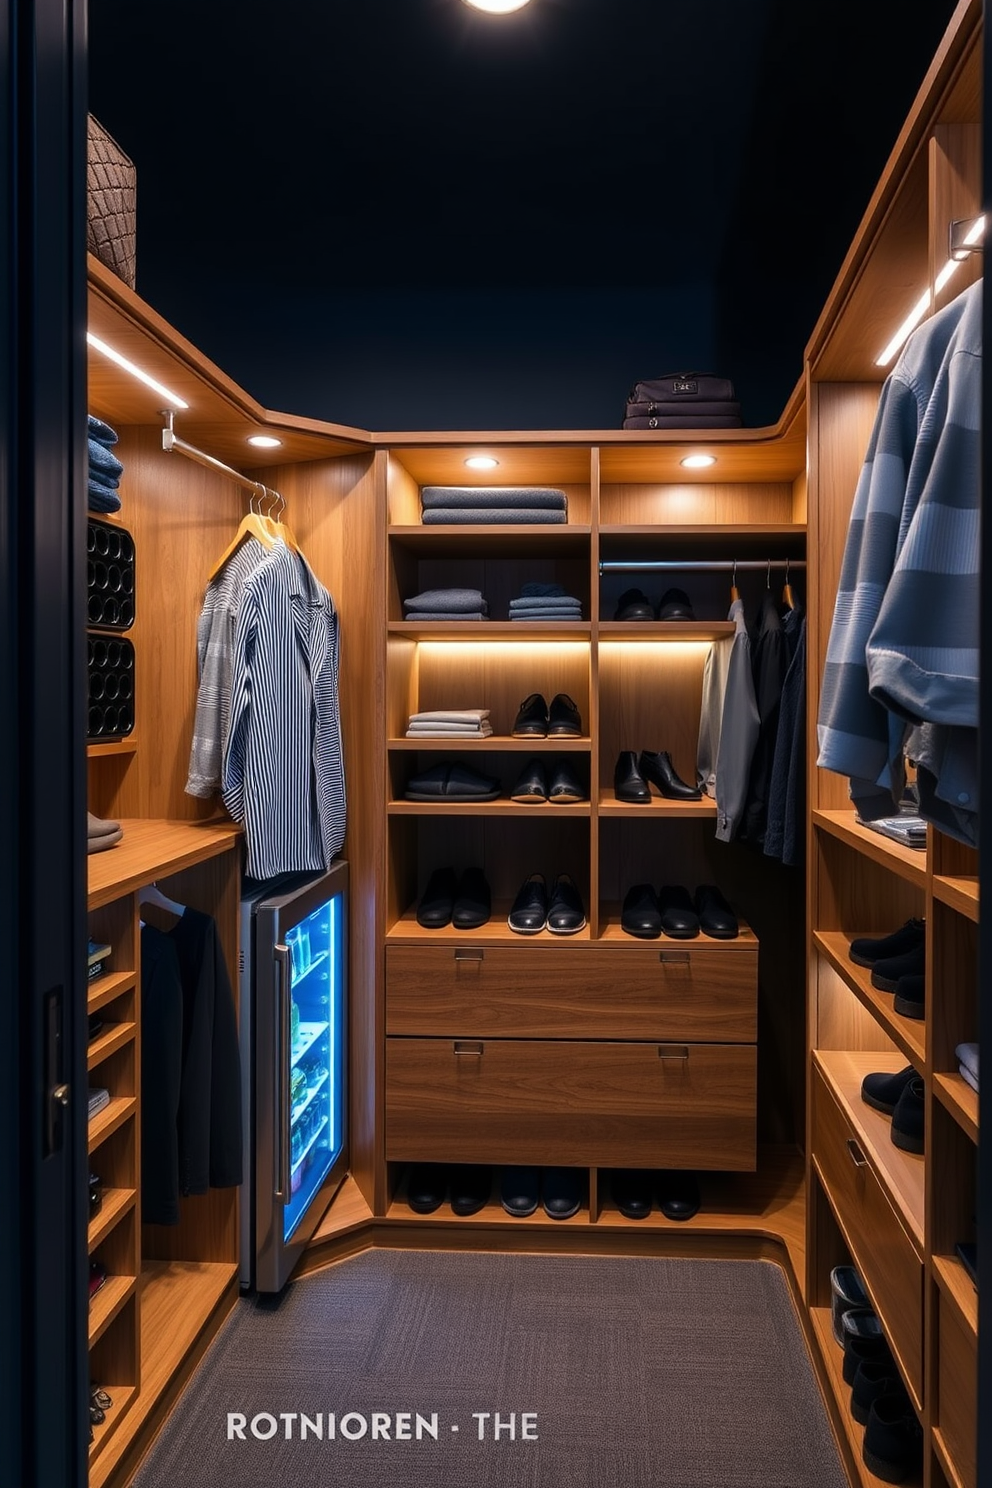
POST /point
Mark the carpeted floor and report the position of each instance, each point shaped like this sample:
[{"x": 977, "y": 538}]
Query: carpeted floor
[{"x": 638, "y": 1373}]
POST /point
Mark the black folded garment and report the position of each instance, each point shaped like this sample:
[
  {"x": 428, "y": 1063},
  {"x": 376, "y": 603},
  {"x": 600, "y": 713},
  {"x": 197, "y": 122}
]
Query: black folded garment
[
  {"x": 714, "y": 408},
  {"x": 503, "y": 515},
  {"x": 493, "y": 496},
  {"x": 450, "y": 781},
  {"x": 687, "y": 421}
]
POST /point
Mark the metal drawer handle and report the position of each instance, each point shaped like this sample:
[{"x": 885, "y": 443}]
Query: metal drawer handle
[
  {"x": 470, "y": 953},
  {"x": 672, "y": 958},
  {"x": 674, "y": 1051},
  {"x": 857, "y": 1156},
  {"x": 464, "y": 1046}
]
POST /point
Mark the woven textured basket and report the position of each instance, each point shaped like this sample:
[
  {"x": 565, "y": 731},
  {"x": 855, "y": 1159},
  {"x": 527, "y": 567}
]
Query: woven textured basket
[{"x": 111, "y": 190}]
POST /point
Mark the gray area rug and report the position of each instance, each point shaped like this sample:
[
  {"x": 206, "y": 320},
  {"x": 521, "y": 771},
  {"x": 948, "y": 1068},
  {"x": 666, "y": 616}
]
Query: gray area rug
[{"x": 632, "y": 1373}]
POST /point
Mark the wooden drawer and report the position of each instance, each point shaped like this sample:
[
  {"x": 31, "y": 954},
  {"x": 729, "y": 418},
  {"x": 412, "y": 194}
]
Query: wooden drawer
[
  {"x": 880, "y": 1246},
  {"x": 659, "y": 992},
  {"x": 547, "y": 1101},
  {"x": 957, "y": 1392}
]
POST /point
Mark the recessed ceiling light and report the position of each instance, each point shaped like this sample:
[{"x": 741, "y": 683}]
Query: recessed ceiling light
[
  {"x": 481, "y": 462},
  {"x": 128, "y": 366},
  {"x": 497, "y": 7},
  {"x": 698, "y": 462},
  {"x": 264, "y": 441}
]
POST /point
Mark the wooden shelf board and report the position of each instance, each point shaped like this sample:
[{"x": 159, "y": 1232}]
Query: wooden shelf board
[
  {"x": 833, "y": 1361},
  {"x": 907, "y": 862},
  {"x": 500, "y": 807},
  {"x": 957, "y": 1097},
  {"x": 501, "y": 742},
  {"x": 116, "y": 1203},
  {"x": 123, "y": 1397},
  {"x": 154, "y": 849},
  {"x": 960, "y": 893},
  {"x": 908, "y": 1033},
  {"x": 492, "y": 630},
  {"x": 119, "y": 746},
  {"x": 664, "y": 630},
  {"x": 121, "y": 1109},
  {"x": 496, "y": 932},
  {"x": 104, "y": 989},
  {"x": 348, "y": 1211},
  {"x": 107, "y": 1303},
  {"x": 612, "y": 933},
  {"x": 947, "y": 1465},
  {"x": 657, "y": 806},
  {"x": 703, "y": 529},
  {"x": 515, "y": 540},
  {"x": 105, "y": 1044},
  {"x": 957, "y": 1287},
  {"x": 901, "y": 1173}
]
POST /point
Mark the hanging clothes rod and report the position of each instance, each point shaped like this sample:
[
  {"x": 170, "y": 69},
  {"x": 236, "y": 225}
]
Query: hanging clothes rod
[
  {"x": 172, "y": 443},
  {"x": 708, "y": 565}
]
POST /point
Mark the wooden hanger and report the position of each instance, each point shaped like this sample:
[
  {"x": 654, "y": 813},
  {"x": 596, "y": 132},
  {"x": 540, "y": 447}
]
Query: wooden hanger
[
  {"x": 166, "y": 913},
  {"x": 788, "y": 598},
  {"x": 253, "y": 524},
  {"x": 281, "y": 530},
  {"x": 735, "y": 593}
]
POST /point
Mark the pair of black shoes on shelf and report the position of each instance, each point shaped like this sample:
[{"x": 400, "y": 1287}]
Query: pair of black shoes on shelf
[
  {"x": 897, "y": 964},
  {"x": 467, "y": 1187},
  {"x": 465, "y": 902},
  {"x": 893, "y": 1440},
  {"x": 634, "y": 604},
  {"x": 634, "y": 1190},
  {"x": 534, "y": 910},
  {"x": 900, "y": 1096},
  {"x": 559, "y": 1190},
  {"x": 631, "y": 775},
  {"x": 554, "y": 782},
  {"x": 672, "y": 912},
  {"x": 537, "y": 720}
]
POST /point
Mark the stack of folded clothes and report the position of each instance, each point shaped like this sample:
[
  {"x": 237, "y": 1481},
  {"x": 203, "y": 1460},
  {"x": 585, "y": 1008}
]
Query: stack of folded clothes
[
  {"x": 545, "y": 602},
  {"x": 470, "y": 505},
  {"x": 446, "y": 604},
  {"x": 105, "y": 469},
  {"x": 101, "y": 834},
  {"x": 968, "y": 1063},
  {"x": 450, "y": 723},
  {"x": 683, "y": 400}
]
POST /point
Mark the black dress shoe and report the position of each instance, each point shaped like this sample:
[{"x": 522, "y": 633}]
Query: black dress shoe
[
  {"x": 716, "y": 918},
  {"x": 529, "y": 911},
  {"x": 531, "y": 785},
  {"x": 632, "y": 1192},
  {"x": 641, "y": 912},
  {"x": 910, "y": 999},
  {"x": 633, "y": 604},
  {"x": 658, "y": 768},
  {"x": 519, "y": 1189},
  {"x": 471, "y": 1186},
  {"x": 473, "y": 902},
  {"x": 434, "y": 909},
  {"x": 532, "y": 718},
  {"x": 561, "y": 1192},
  {"x": 628, "y": 782},
  {"x": 675, "y": 605},
  {"x": 678, "y": 1194},
  {"x": 886, "y": 974},
  {"x": 564, "y": 786},
  {"x": 867, "y": 949},
  {"x": 908, "y": 1118},
  {"x": 678, "y": 918},
  {"x": 564, "y": 721},
  {"x": 566, "y": 914},
  {"x": 882, "y": 1091},
  {"x": 426, "y": 1186}
]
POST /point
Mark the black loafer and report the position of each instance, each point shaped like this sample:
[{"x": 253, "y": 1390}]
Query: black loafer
[
  {"x": 426, "y": 1186},
  {"x": 564, "y": 721},
  {"x": 628, "y": 782},
  {"x": 532, "y": 718},
  {"x": 886, "y": 974},
  {"x": 716, "y": 918},
  {"x": 519, "y": 1189},
  {"x": 881, "y": 1091},
  {"x": 908, "y": 1118},
  {"x": 875, "y": 1377},
  {"x": 471, "y": 1186},
  {"x": 631, "y": 1188},
  {"x": 529, "y": 911},
  {"x": 675, "y": 605},
  {"x": 641, "y": 912},
  {"x": 658, "y": 768},
  {"x": 566, "y": 913},
  {"x": 867, "y": 949},
  {"x": 858, "y": 1351},
  {"x": 531, "y": 785},
  {"x": 633, "y": 604},
  {"x": 678, "y": 918},
  {"x": 434, "y": 909},
  {"x": 910, "y": 998},
  {"x": 678, "y": 1194},
  {"x": 564, "y": 786},
  {"x": 561, "y": 1192},
  {"x": 473, "y": 901},
  {"x": 892, "y": 1447}
]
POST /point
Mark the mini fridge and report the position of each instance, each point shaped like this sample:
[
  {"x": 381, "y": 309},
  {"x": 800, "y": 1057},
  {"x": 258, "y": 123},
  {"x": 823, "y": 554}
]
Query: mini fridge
[{"x": 293, "y": 1002}]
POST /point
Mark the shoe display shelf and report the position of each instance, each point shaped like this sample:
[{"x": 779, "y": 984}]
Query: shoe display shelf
[{"x": 897, "y": 1216}]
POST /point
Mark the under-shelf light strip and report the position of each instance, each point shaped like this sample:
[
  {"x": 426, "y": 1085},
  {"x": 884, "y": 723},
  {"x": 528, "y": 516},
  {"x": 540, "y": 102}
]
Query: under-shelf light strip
[
  {"x": 122, "y": 361},
  {"x": 922, "y": 305}
]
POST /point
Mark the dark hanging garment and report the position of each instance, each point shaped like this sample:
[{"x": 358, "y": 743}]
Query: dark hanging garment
[
  {"x": 161, "y": 1076},
  {"x": 770, "y": 660},
  {"x": 784, "y": 833}
]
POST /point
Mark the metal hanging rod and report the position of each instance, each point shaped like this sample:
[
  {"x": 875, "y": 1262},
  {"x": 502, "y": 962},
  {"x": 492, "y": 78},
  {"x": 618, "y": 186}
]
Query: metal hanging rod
[
  {"x": 708, "y": 565},
  {"x": 172, "y": 443}
]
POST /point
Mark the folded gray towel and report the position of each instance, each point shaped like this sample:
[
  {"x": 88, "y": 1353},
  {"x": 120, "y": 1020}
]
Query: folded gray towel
[
  {"x": 501, "y": 515},
  {"x": 452, "y": 728},
  {"x": 550, "y": 615},
  {"x": 104, "y": 840},
  {"x": 968, "y": 1077},
  {"x": 488, "y": 497},
  {"x": 447, "y": 599},
  {"x": 535, "y": 602},
  {"x": 450, "y": 715},
  {"x": 441, "y": 732},
  {"x": 427, "y": 615}
]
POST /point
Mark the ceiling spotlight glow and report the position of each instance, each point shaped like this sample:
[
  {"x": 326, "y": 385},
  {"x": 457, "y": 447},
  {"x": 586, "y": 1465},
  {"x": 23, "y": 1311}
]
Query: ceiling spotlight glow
[
  {"x": 481, "y": 462},
  {"x": 497, "y": 7},
  {"x": 698, "y": 462},
  {"x": 264, "y": 441}
]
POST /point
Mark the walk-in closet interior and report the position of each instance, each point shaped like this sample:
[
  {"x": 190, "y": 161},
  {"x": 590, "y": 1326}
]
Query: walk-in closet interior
[{"x": 740, "y": 1060}]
